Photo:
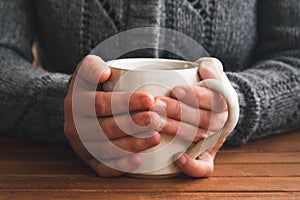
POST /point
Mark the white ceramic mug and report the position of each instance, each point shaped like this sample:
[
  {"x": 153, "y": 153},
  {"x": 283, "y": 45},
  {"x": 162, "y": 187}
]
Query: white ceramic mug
[{"x": 158, "y": 77}]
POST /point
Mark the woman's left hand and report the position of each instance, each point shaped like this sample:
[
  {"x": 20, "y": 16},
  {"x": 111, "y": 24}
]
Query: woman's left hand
[{"x": 194, "y": 113}]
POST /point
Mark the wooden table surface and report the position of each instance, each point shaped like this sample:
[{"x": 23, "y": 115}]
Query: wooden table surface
[{"x": 267, "y": 169}]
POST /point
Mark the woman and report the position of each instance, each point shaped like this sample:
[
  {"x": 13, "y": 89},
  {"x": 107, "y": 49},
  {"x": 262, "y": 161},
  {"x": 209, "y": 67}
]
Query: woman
[{"x": 257, "y": 41}]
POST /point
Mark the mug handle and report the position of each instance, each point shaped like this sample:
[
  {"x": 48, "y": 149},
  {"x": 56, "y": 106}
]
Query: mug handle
[{"x": 230, "y": 95}]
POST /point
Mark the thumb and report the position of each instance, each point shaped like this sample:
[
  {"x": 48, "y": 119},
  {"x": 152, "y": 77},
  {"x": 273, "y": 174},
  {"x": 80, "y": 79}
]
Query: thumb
[
  {"x": 93, "y": 70},
  {"x": 212, "y": 68}
]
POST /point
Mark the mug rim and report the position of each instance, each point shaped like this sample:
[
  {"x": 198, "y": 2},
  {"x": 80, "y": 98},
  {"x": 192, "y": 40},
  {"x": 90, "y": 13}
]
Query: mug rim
[{"x": 156, "y": 61}]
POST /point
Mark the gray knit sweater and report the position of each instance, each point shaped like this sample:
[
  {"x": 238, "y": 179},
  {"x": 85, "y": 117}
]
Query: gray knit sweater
[{"x": 258, "y": 42}]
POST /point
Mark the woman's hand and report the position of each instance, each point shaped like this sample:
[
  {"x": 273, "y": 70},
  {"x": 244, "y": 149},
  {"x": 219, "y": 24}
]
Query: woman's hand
[
  {"x": 93, "y": 71},
  {"x": 193, "y": 114}
]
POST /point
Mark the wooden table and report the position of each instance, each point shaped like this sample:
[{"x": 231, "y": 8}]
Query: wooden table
[{"x": 267, "y": 169}]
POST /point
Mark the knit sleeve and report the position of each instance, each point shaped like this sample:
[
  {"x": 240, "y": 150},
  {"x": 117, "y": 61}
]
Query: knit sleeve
[
  {"x": 31, "y": 99},
  {"x": 269, "y": 91}
]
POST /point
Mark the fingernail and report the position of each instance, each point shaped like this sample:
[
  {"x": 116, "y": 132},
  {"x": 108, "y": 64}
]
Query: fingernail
[
  {"x": 179, "y": 93},
  {"x": 181, "y": 160}
]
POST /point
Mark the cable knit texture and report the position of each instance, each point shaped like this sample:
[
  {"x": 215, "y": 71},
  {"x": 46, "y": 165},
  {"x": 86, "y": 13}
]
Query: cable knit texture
[{"x": 258, "y": 42}]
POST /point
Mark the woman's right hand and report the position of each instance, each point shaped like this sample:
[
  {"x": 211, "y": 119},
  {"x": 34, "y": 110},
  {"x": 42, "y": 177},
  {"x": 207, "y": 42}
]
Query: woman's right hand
[{"x": 93, "y": 71}]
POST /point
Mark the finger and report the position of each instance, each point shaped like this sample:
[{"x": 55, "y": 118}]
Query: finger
[
  {"x": 108, "y": 103},
  {"x": 102, "y": 104},
  {"x": 185, "y": 131},
  {"x": 93, "y": 70},
  {"x": 93, "y": 129},
  {"x": 122, "y": 147},
  {"x": 200, "y": 97},
  {"x": 210, "y": 68},
  {"x": 194, "y": 116},
  {"x": 123, "y": 125},
  {"x": 193, "y": 167},
  {"x": 116, "y": 167},
  {"x": 86, "y": 129},
  {"x": 201, "y": 167}
]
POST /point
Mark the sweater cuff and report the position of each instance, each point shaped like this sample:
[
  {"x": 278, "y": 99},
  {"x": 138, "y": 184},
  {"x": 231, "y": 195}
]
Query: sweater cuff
[
  {"x": 249, "y": 110},
  {"x": 48, "y": 109}
]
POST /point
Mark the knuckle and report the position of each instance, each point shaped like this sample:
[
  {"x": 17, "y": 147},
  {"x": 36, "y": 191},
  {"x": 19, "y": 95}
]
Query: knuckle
[
  {"x": 195, "y": 95},
  {"x": 199, "y": 96},
  {"x": 202, "y": 60},
  {"x": 177, "y": 110},
  {"x": 216, "y": 62},
  {"x": 143, "y": 119},
  {"x": 88, "y": 60},
  {"x": 90, "y": 68},
  {"x": 211, "y": 62},
  {"x": 135, "y": 147},
  {"x": 86, "y": 64},
  {"x": 146, "y": 121},
  {"x": 101, "y": 105}
]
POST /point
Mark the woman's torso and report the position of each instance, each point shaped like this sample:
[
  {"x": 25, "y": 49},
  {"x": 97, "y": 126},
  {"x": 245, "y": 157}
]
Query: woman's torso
[{"x": 68, "y": 30}]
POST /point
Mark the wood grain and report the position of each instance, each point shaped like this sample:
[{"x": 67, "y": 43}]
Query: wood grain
[
  {"x": 124, "y": 184},
  {"x": 152, "y": 196},
  {"x": 266, "y": 169},
  {"x": 221, "y": 170}
]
